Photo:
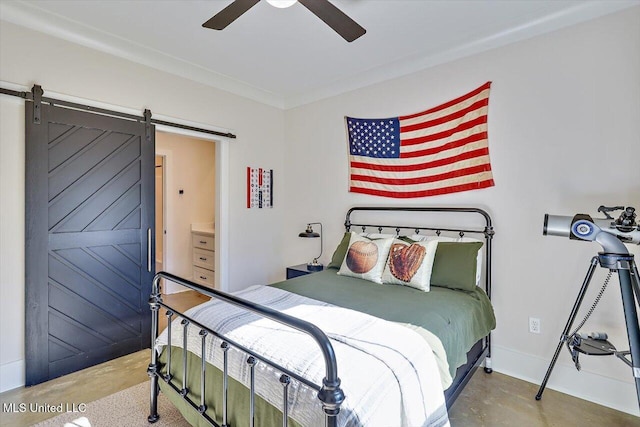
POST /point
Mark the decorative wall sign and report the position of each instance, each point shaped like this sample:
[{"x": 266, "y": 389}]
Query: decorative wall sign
[{"x": 259, "y": 188}]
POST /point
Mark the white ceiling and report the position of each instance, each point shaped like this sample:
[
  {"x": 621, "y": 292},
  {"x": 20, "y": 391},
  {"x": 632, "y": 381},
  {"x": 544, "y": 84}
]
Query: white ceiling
[{"x": 289, "y": 57}]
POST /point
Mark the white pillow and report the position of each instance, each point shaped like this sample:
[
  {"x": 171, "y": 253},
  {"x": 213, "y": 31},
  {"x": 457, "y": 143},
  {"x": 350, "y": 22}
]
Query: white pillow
[
  {"x": 421, "y": 238},
  {"x": 410, "y": 264},
  {"x": 365, "y": 258}
]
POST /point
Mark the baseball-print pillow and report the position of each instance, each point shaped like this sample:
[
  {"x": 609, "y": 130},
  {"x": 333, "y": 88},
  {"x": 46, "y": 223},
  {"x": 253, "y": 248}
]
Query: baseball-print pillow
[
  {"x": 365, "y": 258},
  {"x": 410, "y": 264}
]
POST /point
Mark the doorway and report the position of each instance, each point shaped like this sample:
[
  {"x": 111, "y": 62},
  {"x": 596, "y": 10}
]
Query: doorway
[{"x": 185, "y": 201}]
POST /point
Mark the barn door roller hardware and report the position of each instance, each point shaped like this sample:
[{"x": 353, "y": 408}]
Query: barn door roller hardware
[
  {"x": 147, "y": 120},
  {"x": 37, "y": 92}
]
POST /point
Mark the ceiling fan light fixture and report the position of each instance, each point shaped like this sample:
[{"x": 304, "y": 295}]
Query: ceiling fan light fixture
[
  {"x": 281, "y": 3},
  {"x": 346, "y": 27}
]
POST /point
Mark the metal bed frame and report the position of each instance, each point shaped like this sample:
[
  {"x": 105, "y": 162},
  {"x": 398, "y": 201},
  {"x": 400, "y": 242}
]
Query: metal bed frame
[{"x": 330, "y": 394}]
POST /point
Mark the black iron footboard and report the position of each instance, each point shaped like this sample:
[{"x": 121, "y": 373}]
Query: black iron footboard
[{"x": 330, "y": 394}]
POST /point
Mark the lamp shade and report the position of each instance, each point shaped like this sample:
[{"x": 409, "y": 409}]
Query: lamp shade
[
  {"x": 313, "y": 265},
  {"x": 309, "y": 232}
]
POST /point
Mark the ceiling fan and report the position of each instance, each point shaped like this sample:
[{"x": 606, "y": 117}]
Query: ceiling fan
[{"x": 323, "y": 9}]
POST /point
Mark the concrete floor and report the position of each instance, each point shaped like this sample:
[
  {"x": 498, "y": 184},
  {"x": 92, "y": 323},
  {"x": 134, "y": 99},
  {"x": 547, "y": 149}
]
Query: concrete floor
[
  {"x": 488, "y": 400},
  {"x": 499, "y": 400}
]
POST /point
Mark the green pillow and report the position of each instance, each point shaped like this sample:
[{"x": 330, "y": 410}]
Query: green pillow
[
  {"x": 454, "y": 265},
  {"x": 340, "y": 252}
]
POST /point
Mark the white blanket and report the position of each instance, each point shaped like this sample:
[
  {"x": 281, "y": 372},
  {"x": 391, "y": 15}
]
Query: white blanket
[{"x": 388, "y": 372}]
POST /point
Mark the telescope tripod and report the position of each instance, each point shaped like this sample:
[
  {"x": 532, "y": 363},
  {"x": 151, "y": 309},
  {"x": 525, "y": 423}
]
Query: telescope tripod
[{"x": 630, "y": 288}]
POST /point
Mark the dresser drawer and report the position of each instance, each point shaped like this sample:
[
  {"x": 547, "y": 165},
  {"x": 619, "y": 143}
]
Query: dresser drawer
[
  {"x": 205, "y": 277},
  {"x": 202, "y": 241},
  {"x": 204, "y": 258}
]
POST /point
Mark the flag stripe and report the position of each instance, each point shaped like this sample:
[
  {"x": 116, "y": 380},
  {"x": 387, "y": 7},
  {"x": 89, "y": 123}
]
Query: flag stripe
[
  {"x": 448, "y": 111},
  {"x": 407, "y": 188},
  {"x": 381, "y": 191},
  {"x": 478, "y": 161},
  {"x": 444, "y": 119},
  {"x": 446, "y": 133},
  {"x": 423, "y": 179},
  {"x": 440, "y": 150},
  {"x": 480, "y": 155},
  {"x": 407, "y": 164},
  {"x": 448, "y": 146},
  {"x": 478, "y": 129},
  {"x": 453, "y": 102},
  {"x": 466, "y": 124}
]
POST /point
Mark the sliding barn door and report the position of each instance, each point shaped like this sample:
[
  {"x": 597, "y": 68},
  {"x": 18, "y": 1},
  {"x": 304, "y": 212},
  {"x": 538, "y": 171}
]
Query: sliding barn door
[{"x": 89, "y": 218}]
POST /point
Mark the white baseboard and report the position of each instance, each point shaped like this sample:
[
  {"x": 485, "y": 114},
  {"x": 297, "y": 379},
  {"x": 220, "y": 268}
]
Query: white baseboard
[
  {"x": 11, "y": 375},
  {"x": 585, "y": 385}
]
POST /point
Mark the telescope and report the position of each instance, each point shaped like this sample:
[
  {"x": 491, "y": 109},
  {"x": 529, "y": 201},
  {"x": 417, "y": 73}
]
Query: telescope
[{"x": 611, "y": 233}]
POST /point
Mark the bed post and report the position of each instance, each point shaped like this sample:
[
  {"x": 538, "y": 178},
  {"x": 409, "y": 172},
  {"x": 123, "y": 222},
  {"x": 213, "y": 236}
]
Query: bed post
[
  {"x": 488, "y": 233},
  {"x": 152, "y": 370},
  {"x": 332, "y": 397}
]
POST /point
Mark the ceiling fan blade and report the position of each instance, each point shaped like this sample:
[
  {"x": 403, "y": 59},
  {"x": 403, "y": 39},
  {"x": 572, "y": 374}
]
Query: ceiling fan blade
[
  {"x": 229, "y": 14},
  {"x": 335, "y": 18}
]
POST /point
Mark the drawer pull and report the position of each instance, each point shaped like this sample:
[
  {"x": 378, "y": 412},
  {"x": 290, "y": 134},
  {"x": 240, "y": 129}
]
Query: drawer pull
[
  {"x": 204, "y": 242},
  {"x": 203, "y": 277},
  {"x": 203, "y": 259}
]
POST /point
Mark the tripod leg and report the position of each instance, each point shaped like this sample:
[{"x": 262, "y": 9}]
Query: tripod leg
[
  {"x": 636, "y": 283},
  {"x": 567, "y": 328},
  {"x": 631, "y": 319}
]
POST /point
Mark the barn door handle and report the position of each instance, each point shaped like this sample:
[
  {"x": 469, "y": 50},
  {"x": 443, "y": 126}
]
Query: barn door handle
[{"x": 149, "y": 249}]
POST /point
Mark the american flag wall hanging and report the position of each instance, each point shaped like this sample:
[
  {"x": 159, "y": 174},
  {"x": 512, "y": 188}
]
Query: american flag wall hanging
[
  {"x": 438, "y": 151},
  {"x": 259, "y": 188}
]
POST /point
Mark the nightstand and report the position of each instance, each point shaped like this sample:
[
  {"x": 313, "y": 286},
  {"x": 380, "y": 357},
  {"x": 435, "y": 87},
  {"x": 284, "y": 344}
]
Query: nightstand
[{"x": 298, "y": 270}]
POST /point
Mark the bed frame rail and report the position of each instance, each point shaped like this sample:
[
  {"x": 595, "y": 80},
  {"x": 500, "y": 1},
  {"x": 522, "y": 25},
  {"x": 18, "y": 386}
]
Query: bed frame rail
[{"x": 329, "y": 393}]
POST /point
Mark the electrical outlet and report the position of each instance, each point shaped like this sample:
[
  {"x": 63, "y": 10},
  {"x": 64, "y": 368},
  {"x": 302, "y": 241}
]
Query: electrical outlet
[{"x": 534, "y": 325}]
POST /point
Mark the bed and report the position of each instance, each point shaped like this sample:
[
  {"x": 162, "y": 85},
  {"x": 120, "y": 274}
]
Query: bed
[{"x": 405, "y": 352}]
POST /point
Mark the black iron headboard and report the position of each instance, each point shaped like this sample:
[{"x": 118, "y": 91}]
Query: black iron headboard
[{"x": 487, "y": 231}]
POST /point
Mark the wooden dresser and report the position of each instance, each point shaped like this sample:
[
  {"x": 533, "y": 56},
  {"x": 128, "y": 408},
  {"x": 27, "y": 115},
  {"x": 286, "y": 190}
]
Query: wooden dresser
[{"x": 203, "y": 252}]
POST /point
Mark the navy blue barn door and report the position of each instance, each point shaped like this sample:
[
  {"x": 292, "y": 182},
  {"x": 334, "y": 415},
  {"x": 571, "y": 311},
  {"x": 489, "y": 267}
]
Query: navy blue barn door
[{"x": 89, "y": 221}]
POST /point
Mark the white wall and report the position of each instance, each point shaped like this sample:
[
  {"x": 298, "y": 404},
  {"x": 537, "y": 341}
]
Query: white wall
[
  {"x": 12, "y": 222},
  {"x": 564, "y": 132},
  {"x": 28, "y": 57}
]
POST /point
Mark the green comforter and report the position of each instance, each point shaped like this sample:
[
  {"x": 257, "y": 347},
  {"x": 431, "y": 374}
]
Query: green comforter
[{"x": 458, "y": 318}]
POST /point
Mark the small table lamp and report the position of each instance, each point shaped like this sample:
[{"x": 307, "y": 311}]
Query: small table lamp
[{"x": 313, "y": 265}]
